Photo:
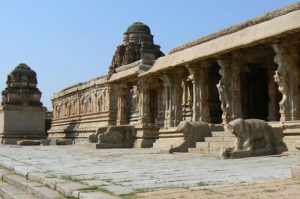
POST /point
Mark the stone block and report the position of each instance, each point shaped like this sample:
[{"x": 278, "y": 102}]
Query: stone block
[
  {"x": 64, "y": 141},
  {"x": 21, "y": 122},
  {"x": 37, "y": 177},
  {"x": 70, "y": 188},
  {"x": 8, "y": 191},
  {"x": 96, "y": 195},
  {"x": 29, "y": 142},
  {"x": 52, "y": 182}
]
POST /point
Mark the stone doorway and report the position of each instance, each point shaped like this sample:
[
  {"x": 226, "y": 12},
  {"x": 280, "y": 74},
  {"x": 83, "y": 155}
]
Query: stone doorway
[
  {"x": 214, "y": 101},
  {"x": 257, "y": 85},
  {"x": 153, "y": 106}
]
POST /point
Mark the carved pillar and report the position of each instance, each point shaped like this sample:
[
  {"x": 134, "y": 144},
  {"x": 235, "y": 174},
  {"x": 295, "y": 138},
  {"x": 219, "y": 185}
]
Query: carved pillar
[
  {"x": 144, "y": 101},
  {"x": 176, "y": 93},
  {"x": 172, "y": 96},
  {"x": 287, "y": 78},
  {"x": 272, "y": 92},
  {"x": 186, "y": 100},
  {"x": 229, "y": 88},
  {"x": 167, "y": 84},
  {"x": 194, "y": 78},
  {"x": 203, "y": 92},
  {"x": 121, "y": 114}
]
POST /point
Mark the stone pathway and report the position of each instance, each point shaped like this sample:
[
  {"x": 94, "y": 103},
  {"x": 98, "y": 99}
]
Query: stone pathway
[{"x": 123, "y": 171}]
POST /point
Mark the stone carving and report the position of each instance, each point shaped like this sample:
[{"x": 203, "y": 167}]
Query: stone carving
[
  {"x": 116, "y": 137},
  {"x": 138, "y": 44},
  {"x": 224, "y": 99},
  {"x": 193, "y": 132},
  {"x": 21, "y": 87},
  {"x": 283, "y": 89},
  {"x": 254, "y": 135}
]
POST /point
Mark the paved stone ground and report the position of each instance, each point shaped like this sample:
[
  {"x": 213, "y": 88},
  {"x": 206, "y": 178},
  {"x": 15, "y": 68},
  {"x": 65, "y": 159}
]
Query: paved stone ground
[{"x": 122, "y": 171}]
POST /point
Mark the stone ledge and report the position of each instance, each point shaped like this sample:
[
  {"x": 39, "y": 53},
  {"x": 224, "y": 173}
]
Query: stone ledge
[{"x": 235, "y": 28}]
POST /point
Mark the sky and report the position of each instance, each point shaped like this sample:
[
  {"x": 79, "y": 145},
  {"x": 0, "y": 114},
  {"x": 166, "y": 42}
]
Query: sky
[{"x": 71, "y": 41}]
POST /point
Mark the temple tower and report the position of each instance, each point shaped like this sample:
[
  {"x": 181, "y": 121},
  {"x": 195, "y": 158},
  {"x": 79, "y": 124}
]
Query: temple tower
[{"x": 22, "y": 115}]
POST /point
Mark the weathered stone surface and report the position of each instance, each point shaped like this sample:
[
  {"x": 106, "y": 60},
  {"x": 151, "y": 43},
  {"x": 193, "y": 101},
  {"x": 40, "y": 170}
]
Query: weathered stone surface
[
  {"x": 116, "y": 137},
  {"x": 133, "y": 168},
  {"x": 96, "y": 195},
  {"x": 8, "y": 191},
  {"x": 253, "y": 138},
  {"x": 70, "y": 188}
]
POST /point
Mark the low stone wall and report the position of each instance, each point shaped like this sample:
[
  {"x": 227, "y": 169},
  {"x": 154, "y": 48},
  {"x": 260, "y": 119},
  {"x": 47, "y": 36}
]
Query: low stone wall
[{"x": 296, "y": 169}]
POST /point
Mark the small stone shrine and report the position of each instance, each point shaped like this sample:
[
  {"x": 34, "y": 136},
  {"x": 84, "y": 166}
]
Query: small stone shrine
[{"x": 22, "y": 115}]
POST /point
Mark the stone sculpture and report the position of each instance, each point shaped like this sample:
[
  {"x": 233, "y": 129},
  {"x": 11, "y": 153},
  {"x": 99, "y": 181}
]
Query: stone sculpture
[
  {"x": 193, "y": 132},
  {"x": 116, "y": 137},
  {"x": 255, "y": 137}
]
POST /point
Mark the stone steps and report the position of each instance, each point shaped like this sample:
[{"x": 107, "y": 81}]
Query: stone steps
[
  {"x": 214, "y": 145},
  {"x": 8, "y": 191},
  {"x": 34, "y": 188},
  {"x": 42, "y": 186}
]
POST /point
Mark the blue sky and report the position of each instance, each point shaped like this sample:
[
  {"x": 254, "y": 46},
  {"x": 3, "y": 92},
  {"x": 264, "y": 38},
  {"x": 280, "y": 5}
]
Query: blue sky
[{"x": 69, "y": 41}]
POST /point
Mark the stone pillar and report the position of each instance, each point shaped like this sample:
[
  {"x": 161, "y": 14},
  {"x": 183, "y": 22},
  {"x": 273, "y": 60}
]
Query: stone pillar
[
  {"x": 144, "y": 101},
  {"x": 176, "y": 93},
  {"x": 122, "y": 94},
  {"x": 199, "y": 78},
  {"x": 194, "y": 78},
  {"x": 172, "y": 97},
  {"x": 186, "y": 100},
  {"x": 272, "y": 93},
  {"x": 229, "y": 87},
  {"x": 287, "y": 78}
]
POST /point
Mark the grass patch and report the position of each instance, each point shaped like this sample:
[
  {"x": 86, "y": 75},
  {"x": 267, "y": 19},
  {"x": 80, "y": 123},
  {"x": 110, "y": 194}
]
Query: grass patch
[
  {"x": 70, "y": 178},
  {"x": 201, "y": 184}
]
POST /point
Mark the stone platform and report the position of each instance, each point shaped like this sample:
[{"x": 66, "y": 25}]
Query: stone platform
[{"x": 124, "y": 171}]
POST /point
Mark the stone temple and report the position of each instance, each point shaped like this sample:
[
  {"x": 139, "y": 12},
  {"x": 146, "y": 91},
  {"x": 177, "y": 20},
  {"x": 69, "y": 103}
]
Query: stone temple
[
  {"x": 183, "y": 100},
  {"x": 22, "y": 115}
]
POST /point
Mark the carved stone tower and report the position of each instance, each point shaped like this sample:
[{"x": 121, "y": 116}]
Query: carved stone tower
[
  {"x": 137, "y": 44},
  {"x": 22, "y": 115},
  {"x": 21, "y": 88}
]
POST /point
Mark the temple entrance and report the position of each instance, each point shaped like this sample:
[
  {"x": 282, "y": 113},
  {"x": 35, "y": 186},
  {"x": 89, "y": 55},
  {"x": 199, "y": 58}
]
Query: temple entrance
[
  {"x": 153, "y": 106},
  {"x": 255, "y": 98},
  {"x": 214, "y": 101}
]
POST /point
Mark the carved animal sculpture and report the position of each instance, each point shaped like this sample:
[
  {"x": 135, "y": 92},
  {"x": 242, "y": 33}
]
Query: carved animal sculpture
[{"x": 254, "y": 134}]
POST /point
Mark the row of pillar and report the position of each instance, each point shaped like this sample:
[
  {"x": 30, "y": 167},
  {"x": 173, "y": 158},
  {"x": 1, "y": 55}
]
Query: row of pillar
[{"x": 189, "y": 99}]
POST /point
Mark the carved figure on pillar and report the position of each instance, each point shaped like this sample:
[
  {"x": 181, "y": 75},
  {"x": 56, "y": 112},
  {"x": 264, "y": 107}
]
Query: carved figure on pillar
[
  {"x": 225, "y": 100},
  {"x": 283, "y": 89}
]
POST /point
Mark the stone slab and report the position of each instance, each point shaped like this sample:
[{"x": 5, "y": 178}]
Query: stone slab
[
  {"x": 52, "y": 182},
  {"x": 96, "y": 195},
  {"x": 69, "y": 188},
  {"x": 10, "y": 192},
  {"x": 143, "y": 168}
]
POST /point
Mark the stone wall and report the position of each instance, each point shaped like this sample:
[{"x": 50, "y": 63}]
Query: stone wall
[{"x": 80, "y": 109}]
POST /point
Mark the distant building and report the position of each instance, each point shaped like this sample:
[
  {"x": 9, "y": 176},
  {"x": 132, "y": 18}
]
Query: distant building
[{"x": 22, "y": 115}]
